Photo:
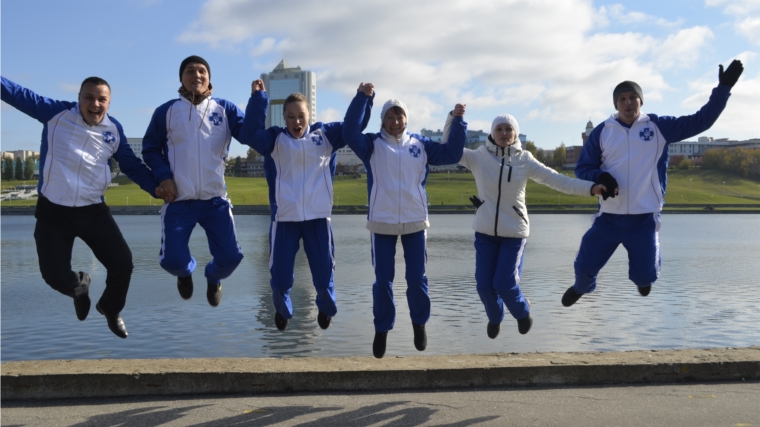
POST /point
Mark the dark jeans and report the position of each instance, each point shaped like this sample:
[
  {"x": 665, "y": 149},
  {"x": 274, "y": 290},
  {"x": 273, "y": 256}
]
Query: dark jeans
[{"x": 58, "y": 226}]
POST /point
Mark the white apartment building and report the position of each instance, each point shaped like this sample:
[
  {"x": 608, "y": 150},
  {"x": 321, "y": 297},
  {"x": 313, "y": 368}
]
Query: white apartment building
[{"x": 283, "y": 81}]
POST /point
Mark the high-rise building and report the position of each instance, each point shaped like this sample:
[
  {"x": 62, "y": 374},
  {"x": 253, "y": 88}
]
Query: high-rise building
[{"x": 283, "y": 81}]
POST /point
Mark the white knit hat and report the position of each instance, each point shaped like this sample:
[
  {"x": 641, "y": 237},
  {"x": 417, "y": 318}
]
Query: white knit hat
[
  {"x": 394, "y": 103},
  {"x": 508, "y": 119}
]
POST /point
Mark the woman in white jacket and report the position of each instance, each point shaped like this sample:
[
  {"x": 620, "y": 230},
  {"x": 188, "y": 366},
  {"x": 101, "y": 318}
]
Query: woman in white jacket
[{"x": 501, "y": 169}]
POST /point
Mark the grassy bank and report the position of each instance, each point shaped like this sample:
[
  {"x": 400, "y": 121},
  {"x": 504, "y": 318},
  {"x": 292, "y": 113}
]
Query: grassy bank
[{"x": 684, "y": 187}]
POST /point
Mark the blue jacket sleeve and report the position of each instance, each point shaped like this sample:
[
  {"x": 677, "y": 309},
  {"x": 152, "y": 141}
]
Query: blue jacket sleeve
[
  {"x": 449, "y": 153},
  {"x": 591, "y": 157},
  {"x": 154, "y": 145},
  {"x": 676, "y": 129},
  {"x": 334, "y": 131},
  {"x": 356, "y": 119},
  {"x": 253, "y": 133},
  {"x": 234, "y": 118},
  {"x": 131, "y": 165},
  {"x": 35, "y": 106}
]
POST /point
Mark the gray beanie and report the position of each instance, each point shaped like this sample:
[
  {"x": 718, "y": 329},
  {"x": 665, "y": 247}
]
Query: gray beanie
[{"x": 627, "y": 86}]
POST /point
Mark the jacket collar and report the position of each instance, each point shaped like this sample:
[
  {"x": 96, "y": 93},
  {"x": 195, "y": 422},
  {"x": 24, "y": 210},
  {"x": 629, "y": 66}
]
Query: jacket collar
[{"x": 503, "y": 151}]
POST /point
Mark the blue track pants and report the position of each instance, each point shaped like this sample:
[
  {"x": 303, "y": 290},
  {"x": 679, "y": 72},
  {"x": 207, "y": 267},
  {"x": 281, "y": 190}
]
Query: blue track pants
[
  {"x": 383, "y": 260},
  {"x": 498, "y": 266},
  {"x": 639, "y": 235},
  {"x": 284, "y": 238},
  {"x": 178, "y": 220}
]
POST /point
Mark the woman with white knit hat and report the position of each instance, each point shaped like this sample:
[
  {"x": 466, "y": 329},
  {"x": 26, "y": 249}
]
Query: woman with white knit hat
[
  {"x": 501, "y": 169},
  {"x": 397, "y": 167}
]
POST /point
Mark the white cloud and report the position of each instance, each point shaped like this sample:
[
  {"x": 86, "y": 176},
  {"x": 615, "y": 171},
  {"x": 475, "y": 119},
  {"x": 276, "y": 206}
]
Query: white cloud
[
  {"x": 746, "y": 26},
  {"x": 542, "y": 56},
  {"x": 735, "y": 7},
  {"x": 70, "y": 87},
  {"x": 750, "y": 28},
  {"x": 330, "y": 115}
]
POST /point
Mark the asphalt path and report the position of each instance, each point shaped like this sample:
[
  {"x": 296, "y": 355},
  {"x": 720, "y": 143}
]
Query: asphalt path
[{"x": 735, "y": 404}]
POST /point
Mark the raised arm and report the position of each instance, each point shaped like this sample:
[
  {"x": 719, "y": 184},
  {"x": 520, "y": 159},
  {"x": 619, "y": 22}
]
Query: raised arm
[
  {"x": 35, "y": 106},
  {"x": 253, "y": 132},
  {"x": 450, "y": 152},
  {"x": 357, "y": 116}
]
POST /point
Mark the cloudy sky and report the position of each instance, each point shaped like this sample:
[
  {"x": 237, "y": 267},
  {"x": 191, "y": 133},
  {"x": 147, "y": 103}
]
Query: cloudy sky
[{"x": 551, "y": 64}]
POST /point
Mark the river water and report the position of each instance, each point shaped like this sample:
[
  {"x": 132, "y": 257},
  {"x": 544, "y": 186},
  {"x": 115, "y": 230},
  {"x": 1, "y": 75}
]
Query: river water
[{"x": 707, "y": 296}]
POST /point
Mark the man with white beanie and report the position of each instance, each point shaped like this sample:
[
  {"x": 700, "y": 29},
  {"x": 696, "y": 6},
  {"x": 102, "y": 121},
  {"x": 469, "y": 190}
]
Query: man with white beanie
[{"x": 397, "y": 168}]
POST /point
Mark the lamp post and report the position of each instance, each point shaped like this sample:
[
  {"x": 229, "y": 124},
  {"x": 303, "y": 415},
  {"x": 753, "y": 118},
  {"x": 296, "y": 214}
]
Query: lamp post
[{"x": 127, "y": 201}]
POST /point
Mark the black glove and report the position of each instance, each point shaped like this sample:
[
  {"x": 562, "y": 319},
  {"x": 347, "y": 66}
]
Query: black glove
[
  {"x": 476, "y": 202},
  {"x": 732, "y": 73},
  {"x": 611, "y": 183}
]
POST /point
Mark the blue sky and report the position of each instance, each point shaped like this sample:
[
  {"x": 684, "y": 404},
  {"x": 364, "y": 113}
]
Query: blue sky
[{"x": 551, "y": 64}]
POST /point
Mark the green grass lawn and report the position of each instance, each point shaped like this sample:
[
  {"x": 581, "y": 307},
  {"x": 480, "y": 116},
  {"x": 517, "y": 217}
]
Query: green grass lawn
[{"x": 690, "y": 187}]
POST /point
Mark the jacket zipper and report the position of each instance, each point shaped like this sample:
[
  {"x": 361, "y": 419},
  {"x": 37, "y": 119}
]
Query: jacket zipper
[
  {"x": 520, "y": 213},
  {"x": 198, "y": 150},
  {"x": 498, "y": 197}
]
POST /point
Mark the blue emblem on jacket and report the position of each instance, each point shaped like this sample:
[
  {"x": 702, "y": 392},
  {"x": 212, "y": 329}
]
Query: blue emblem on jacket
[
  {"x": 215, "y": 118},
  {"x": 109, "y": 137},
  {"x": 415, "y": 151},
  {"x": 317, "y": 139},
  {"x": 646, "y": 134}
]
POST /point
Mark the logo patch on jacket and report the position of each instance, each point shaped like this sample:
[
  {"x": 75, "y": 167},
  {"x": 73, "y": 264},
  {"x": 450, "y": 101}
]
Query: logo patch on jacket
[
  {"x": 109, "y": 137},
  {"x": 646, "y": 134},
  {"x": 215, "y": 118},
  {"x": 317, "y": 139},
  {"x": 415, "y": 151}
]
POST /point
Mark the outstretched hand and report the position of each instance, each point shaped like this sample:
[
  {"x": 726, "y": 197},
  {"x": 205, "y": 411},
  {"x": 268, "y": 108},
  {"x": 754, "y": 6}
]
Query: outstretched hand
[
  {"x": 367, "y": 88},
  {"x": 167, "y": 190},
  {"x": 732, "y": 73},
  {"x": 257, "y": 85},
  {"x": 459, "y": 110}
]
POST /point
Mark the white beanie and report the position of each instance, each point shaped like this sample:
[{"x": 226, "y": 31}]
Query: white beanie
[
  {"x": 508, "y": 119},
  {"x": 394, "y": 103}
]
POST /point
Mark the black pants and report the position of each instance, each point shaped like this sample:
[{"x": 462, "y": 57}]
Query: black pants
[{"x": 58, "y": 226}]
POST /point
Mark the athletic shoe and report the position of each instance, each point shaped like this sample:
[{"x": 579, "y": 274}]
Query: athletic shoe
[
  {"x": 115, "y": 323},
  {"x": 185, "y": 287},
  {"x": 82, "y": 296},
  {"x": 493, "y": 330},
  {"x": 323, "y": 320},
  {"x": 524, "y": 324},
  {"x": 420, "y": 337},
  {"x": 378, "y": 346},
  {"x": 570, "y": 297},
  {"x": 280, "y": 321},
  {"x": 644, "y": 291},
  {"x": 214, "y": 294}
]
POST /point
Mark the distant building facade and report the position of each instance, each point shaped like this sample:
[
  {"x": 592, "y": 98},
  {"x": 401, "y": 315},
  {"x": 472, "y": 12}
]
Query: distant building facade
[
  {"x": 136, "y": 145},
  {"x": 283, "y": 81},
  {"x": 697, "y": 148}
]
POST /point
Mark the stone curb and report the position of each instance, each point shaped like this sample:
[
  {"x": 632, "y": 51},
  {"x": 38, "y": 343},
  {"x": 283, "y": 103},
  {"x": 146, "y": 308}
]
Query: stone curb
[{"x": 55, "y": 379}]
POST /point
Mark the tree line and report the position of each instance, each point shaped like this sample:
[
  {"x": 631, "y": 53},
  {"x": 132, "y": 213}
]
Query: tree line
[
  {"x": 18, "y": 169},
  {"x": 741, "y": 161}
]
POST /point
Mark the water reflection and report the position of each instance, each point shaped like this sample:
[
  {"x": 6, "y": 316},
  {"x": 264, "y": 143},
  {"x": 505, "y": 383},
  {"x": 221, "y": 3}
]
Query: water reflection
[{"x": 707, "y": 296}]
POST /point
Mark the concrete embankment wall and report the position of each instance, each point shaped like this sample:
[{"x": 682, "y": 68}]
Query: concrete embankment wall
[{"x": 56, "y": 379}]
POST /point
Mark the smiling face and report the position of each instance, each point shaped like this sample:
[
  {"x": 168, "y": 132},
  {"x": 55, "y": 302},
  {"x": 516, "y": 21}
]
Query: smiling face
[
  {"x": 628, "y": 105},
  {"x": 195, "y": 78},
  {"x": 94, "y": 101},
  {"x": 296, "y": 118},
  {"x": 504, "y": 134},
  {"x": 394, "y": 121}
]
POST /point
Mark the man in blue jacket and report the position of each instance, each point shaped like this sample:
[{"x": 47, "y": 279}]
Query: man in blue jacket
[
  {"x": 78, "y": 140},
  {"x": 628, "y": 153},
  {"x": 186, "y": 145}
]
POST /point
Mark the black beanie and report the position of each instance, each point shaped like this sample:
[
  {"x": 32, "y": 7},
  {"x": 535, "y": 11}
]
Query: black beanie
[
  {"x": 197, "y": 60},
  {"x": 626, "y": 86}
]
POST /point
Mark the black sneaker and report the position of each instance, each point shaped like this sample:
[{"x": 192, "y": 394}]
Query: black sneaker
[
  {"x": 185, "y": 287},
  {"x": 524, "y": 324},
  {"x": 323, "y": 320},
  {"x": 213, "y": 294},
  {"x": 493, "y": 330},
  {"x": 570, "y": 297},
  {"x": 420, "y": 337},
  {"x": 280, "y": 321},
  {"x": 644, "y": 291},
  {"x": 115, "y": 323},
  {"x": 82, "y": 301},
  {"x": 378, "y": 346}
]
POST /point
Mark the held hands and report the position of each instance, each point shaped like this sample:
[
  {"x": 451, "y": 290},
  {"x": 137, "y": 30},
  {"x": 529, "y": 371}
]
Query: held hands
[
  {"x": 732, "y": 73},
  {"x": 598, "y": 190},
  {"x": 167, "y": 190},
  {"x": 610, "y": 185},
  {"x": 367, "y": 88},
  {"x": 475, "y": 201},
  {"x": 459, "y": 110},
  {"x": 257, "y": 85}
]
